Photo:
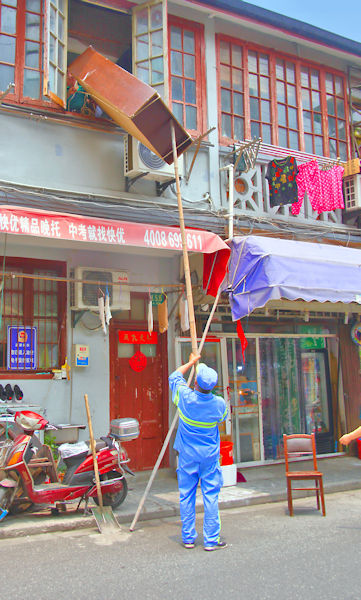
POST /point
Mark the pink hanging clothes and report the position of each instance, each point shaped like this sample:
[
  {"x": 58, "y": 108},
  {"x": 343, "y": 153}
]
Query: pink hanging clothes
[
  {"x": 308, "y": 180},
  {"x": 324, "y": 188},
  {"x": 332, "y": 195}
]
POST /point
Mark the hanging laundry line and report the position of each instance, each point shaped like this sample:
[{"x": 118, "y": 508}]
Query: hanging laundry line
[
  {"x": 14, "y": 274},
  {"x": 326, "y": 166}
]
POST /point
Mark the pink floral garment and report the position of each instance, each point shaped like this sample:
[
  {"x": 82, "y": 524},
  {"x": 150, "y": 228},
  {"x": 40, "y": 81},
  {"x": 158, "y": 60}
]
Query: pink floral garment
[{"x": 324, "y": 188}]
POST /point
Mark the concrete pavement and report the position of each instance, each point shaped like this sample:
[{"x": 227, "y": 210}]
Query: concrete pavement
[{"x": 263, "y": 484}]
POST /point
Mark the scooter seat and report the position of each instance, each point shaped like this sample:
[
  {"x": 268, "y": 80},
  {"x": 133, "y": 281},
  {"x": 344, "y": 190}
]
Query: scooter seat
[{"x": 99, "y": 445}]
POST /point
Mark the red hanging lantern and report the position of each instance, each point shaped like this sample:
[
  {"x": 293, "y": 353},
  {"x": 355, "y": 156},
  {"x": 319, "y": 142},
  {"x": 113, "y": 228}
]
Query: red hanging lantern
[{"x": 138, "y": 361}]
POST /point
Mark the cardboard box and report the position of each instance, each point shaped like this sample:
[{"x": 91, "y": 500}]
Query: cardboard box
[{"x": 352, "y": 167}]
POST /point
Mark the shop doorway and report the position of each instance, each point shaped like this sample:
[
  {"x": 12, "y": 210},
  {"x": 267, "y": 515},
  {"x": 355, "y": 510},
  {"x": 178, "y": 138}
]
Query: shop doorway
[
  {"x": 282, "y": 385},
  {"x": 316, "y": 388},
  {"x": 142, "y": 394}
]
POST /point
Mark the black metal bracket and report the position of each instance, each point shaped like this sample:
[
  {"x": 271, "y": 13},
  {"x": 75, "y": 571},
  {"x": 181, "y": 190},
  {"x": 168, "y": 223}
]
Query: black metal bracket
[
  {"x": 130, "y": 180},
  {"x": 76, "y": 316},
  {"x": 160, "y": 187}
]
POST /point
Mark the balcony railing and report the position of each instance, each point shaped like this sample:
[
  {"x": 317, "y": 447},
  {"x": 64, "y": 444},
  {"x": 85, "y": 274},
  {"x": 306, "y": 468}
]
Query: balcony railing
[{"x": 251, "y": 195}]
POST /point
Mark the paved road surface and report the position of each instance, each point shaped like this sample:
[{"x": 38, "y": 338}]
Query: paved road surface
[{"x": 270, "y": 556}]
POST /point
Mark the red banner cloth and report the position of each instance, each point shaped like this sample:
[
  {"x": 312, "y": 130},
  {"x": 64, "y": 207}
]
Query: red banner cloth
[
  {"x": 214, "y": 270},
  {"x": 242, "y": 337}
]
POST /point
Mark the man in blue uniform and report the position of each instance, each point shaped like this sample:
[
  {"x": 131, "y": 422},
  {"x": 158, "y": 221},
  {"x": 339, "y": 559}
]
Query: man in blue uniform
[{"x": 197, "y": 443}]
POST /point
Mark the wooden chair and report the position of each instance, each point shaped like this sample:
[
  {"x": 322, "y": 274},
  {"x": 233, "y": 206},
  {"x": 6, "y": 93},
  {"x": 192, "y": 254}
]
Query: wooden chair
[{"x": 295, "y": 446}]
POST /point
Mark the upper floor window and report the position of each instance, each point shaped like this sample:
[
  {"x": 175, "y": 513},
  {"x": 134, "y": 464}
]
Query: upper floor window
[
  {"x": 259, "y": 95},
  {"x": 148, "y": 45},
  {"x": 284, "y": 101},
  {"x": 21, "y": 47},
  {"x": 287, "y": 116},
  {"x": 311, "y": 111},
  {"x": 38, "y": 42},
  {"x": 336, "y": 118},
  {"x": 186, "y": 74}
]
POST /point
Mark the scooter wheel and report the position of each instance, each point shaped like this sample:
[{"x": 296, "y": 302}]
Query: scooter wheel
[
  {"x": 113, "y": 500},
  {"x": 18, "y": 507},
  {"x": 20, "y": 503}
]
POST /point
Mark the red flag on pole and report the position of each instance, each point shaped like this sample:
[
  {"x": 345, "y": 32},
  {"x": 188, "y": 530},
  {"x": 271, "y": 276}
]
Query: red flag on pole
[{"x": 242, "y": 337}]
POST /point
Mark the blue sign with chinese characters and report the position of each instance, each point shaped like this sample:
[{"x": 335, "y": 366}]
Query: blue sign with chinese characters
[{"x": 22, "y": 347}]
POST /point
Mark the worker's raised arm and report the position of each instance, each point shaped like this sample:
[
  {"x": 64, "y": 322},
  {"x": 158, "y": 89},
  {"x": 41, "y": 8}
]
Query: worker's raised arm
[{"x": 193, "y": 359}]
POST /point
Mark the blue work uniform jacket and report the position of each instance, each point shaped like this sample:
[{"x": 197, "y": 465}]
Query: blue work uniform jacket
[{"x": 199, "y": 414}]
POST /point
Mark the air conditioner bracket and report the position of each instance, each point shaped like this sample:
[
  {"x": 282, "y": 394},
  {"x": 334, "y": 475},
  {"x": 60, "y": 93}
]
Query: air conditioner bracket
[
  {"x": 160, "y": 187},
  {"x": 76, "y": 316},
  {"x": 130, "y": 180}
]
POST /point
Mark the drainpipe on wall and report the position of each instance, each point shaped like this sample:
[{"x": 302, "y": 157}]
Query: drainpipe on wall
[{"x": 230, "y": 169}]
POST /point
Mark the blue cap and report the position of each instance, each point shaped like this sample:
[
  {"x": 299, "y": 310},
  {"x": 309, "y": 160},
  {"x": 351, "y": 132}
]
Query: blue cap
[{"x": 206, "y": 377}]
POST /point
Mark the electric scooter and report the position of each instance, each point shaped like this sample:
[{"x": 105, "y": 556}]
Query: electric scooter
[{"x": 26, "y": 466}]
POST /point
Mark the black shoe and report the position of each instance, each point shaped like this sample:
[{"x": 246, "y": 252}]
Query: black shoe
[
  {"x": 9, "y": 392},
  {"x": 188, "y": 545},
  {"x": 217, "y": 546},
  {"x": 18, "y": 393}
]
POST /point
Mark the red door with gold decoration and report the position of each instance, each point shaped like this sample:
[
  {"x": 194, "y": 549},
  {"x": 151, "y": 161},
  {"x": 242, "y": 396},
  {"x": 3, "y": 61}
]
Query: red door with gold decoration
[{"x": 139, "y": 388}]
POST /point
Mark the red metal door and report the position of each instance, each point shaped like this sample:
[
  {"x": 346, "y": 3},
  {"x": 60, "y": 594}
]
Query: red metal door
[{"x": 140, "y": 394}]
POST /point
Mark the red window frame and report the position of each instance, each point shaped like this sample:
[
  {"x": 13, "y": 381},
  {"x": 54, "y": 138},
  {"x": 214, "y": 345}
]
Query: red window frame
[
  {"x": 259, "y": 94},
  {"x": 232, "y": 89},
  {"x": 20, "y": 67},
  {"x": 286, "y": 73},
  {"x": 336, "y": 112},
  {"x": 24, "y": 301},
  {"x": 312, "y": 113},
  {"x": 305, "y": 85},
  {"x": 199, "y": 78}
]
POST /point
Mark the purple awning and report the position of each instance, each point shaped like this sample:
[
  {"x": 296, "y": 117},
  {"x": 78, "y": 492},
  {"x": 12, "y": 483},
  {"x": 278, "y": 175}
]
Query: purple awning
[{"x": 263, "y": 269}]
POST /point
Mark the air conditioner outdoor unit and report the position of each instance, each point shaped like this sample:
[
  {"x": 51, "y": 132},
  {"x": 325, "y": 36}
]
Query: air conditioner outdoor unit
[
  {"x": 352, "y": 192},
  {"x": 138, "y": 159},
  {"x": 86, "y": 294}
]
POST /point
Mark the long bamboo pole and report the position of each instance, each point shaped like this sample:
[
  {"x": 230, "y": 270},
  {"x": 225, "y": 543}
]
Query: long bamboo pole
[{"x": 187, "y": 275}]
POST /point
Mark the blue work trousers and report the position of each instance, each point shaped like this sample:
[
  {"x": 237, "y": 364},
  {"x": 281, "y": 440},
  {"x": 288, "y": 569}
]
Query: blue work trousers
[{"x": 189, "y": 473}]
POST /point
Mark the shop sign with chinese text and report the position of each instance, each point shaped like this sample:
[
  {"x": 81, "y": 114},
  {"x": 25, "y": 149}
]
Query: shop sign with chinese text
[{"x": 22, "y": 344}]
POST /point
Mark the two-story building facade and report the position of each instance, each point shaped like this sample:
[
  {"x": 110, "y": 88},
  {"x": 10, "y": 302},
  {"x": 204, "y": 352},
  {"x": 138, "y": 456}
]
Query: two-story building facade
[{"x": 82, "y": 200}]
